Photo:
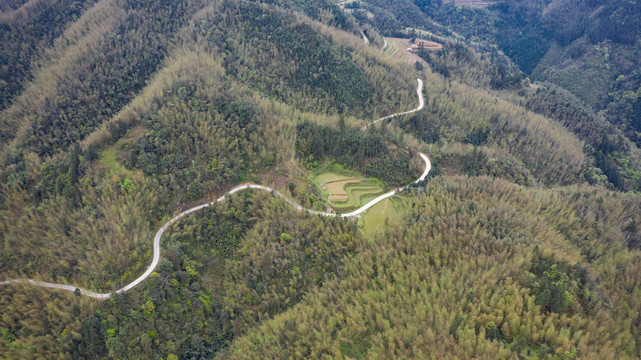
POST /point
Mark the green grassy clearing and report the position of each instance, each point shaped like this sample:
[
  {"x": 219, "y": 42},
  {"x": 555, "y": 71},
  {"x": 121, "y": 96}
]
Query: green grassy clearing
[
  {"x": 374, "y": 219},
  {"x": 109, "y": 160},
  {"x": 331, "y": 177},
  {"x": 337, "y": 170}
]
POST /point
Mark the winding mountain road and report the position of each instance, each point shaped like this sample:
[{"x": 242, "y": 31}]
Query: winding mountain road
[
  {"x": 156, "y": 244},
  {"x": 421, "y": 104},
  {"x": 364, "y": 37}
]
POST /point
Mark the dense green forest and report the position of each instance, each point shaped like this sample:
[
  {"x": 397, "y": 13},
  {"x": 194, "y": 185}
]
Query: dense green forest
[
  {"x": 24, "y": 32},
  {"x": 116, "y": 115},
  {"x": 480, "y": 269},
  {"x": 375, "y": 155}
]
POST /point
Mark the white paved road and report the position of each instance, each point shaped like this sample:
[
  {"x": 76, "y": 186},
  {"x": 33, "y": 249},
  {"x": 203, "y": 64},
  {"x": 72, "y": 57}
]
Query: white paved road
[
  {"x": 365, "y": 37},
  {"x": 156, "y": 245},
  {"x": 421, "y": 104}
]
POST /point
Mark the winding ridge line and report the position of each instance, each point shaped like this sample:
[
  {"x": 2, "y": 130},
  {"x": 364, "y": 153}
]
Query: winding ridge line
[{"x": 156, "y": 258}]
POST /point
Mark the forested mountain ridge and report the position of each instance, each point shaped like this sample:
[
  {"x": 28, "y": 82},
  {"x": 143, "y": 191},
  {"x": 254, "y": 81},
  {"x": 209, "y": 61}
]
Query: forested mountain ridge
[
  {"x": 197, "y": 126},
  {"x": 193, "y": 99},
  {"x": 588, "y": 49},
  {"x": 137, "y": 110},
  {"x": 25, "y": 30},
  {"x": 551, "y": 40}
]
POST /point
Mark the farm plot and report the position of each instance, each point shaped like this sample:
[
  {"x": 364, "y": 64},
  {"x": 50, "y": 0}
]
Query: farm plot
[
  {"x": 358, "y": 194},
  {"x": 329, "y": 177},
  {"x": 404, "y": 50},
  {"x": 343, "y": 188},
  {"x": 337, "y": 191}
]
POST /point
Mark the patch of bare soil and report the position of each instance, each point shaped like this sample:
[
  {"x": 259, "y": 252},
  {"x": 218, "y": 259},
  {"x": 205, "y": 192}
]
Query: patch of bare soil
[
  {"x": 408, "y": 51},
  {"x": 427, "y": 44},
  {"x": 474, "y": 3},
  {"x": 337, "y": 189}
]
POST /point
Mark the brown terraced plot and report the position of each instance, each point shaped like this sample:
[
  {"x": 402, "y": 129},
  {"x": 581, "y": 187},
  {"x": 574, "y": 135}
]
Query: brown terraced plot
[{"x": 337, "y": 189}]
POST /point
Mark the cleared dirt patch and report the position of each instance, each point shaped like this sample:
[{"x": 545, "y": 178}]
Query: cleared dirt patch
[
  {"x": 337, "y": 189},
  {"x": 475, "y": 3},
  {"x": 404, "y": 44},
  {"x": 397, "y": 48}
]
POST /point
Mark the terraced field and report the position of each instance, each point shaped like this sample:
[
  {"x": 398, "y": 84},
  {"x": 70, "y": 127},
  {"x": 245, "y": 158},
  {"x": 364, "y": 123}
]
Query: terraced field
[
  {"x": 391, "y": 49},
  {"x": 345, "y": 189},
  {"x": 397, "y": 48},
  {"x": 337, "y": 191},
  {"x": 358, "y": 194}
]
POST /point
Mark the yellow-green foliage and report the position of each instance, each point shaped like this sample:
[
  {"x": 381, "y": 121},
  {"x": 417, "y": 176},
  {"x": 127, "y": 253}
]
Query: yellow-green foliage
[
  {"x": 439, "y": 273},
  {"x": 452, "y": 281},
  {"x": 550, "y": 151}
]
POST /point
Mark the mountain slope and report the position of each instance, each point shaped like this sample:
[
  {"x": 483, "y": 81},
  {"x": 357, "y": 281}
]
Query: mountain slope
[
  {"x": 480, "y": 269},
  {"x": 141, "y": 109}
]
